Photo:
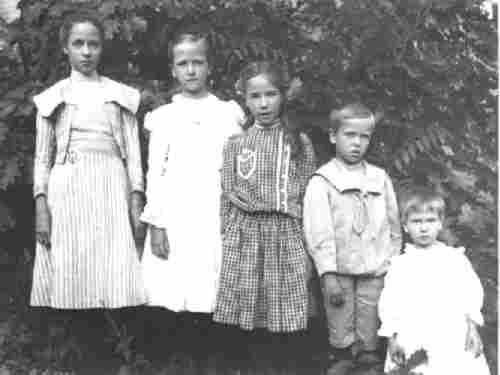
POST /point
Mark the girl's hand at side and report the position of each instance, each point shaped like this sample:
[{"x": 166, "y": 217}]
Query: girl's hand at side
[
  {"x": 396, "y": 351},
  {"x": 42, "y": 221},
  {"x": 159, "y": 243},
  {"x": 138, "y": 228},
  {"x": 473, "y": 341}
]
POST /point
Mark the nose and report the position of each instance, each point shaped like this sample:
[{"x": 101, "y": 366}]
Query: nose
[
  {"x": 263, "y": 102},
  {"x": 86, "y": 49},
  {"x": 424, "y": 227},
  {"x": 356, "y": 140},
  {"x": 190, "y": 68}
]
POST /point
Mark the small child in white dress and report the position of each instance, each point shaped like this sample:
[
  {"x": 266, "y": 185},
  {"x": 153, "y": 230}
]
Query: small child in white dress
[{"x": 432, "y": 297}]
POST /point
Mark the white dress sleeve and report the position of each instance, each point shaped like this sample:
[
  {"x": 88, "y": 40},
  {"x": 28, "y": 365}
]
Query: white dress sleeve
[
  {"x": 237, "y": 113},
  {"x": 391, "y": 299},
  {"x": 154, "y": 211},
  {"x": 473, "y": 293}
]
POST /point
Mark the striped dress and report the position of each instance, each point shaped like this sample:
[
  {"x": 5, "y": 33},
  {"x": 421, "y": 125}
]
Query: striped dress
[
  {"x": 264, "y": 266},
  {"x": 93, "y": 261}
]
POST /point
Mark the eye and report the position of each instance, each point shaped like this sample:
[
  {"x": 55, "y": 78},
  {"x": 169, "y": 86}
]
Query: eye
[{"x": 77, "y": 43}]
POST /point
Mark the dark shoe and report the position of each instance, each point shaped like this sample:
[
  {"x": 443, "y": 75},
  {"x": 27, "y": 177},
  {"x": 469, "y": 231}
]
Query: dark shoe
[
  {"x": 368, "y": 363},
  {"x": 341, "y": 367},
  {"x": 340, "y": 361},
  {"x": 369, "y": 358}
]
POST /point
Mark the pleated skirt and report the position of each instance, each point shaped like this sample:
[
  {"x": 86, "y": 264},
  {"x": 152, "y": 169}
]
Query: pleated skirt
[
  {"x": 263, "y": 282},
  {"x": 93, "y": 261}
]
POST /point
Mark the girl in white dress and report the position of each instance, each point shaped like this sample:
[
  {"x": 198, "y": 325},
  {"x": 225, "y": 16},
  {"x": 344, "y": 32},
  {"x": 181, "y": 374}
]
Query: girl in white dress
[
  {"x": 183, "y": 250},
  {"x": 432, "y": 297}
]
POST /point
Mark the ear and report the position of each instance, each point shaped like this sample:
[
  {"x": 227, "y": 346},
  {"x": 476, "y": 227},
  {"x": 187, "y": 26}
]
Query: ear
[
  {"x": 65, "y": 50},
  {"x": 332, "y": 136},
  {"x": 440, "y": 225}
]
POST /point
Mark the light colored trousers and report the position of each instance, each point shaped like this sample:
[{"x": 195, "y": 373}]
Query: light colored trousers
[{"x": 357, "y": 319}]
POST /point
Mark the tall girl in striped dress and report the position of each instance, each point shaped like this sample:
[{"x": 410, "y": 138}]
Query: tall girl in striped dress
[
  {"x": 88, "y": 183},
  {"x": 265, "y": 170}
]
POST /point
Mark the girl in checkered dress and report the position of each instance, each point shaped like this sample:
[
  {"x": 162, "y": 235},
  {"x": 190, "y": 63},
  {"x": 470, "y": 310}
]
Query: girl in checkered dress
[{"x": 263, "y": 282}]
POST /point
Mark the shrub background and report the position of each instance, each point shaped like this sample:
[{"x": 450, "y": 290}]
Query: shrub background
[{"x": 428, "y": 67}]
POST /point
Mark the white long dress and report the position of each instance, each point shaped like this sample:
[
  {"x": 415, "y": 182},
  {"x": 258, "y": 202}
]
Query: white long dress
[
  {"x": 427, "y": 295},
  {"x": 183, "y": 194}
]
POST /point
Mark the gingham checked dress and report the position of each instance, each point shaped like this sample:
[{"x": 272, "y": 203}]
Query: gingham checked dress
[{"x": 263, "y": 280}]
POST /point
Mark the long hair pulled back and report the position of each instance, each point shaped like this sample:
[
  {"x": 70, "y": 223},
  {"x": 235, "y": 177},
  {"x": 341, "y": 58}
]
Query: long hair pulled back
[
  {"x": 77, "y": 17},
  {"x": 279, "y": 78}
]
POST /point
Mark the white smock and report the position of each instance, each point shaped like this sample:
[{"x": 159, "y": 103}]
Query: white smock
[
  {"x": 427, "y": 295},
  {"x": 183, "y": 196}
]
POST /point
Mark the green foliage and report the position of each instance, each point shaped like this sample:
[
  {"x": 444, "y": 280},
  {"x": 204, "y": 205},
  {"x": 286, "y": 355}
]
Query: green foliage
[{"x": 428, "y": 67}]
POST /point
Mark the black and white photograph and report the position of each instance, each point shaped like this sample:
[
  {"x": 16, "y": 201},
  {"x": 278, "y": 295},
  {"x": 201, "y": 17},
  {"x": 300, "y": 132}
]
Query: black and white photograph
[{"x": 249, "y": 187}]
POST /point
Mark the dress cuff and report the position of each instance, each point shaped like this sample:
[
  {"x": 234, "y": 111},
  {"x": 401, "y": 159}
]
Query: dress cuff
[
  {"x": 152, "y": 217},
  {"x": 40, "y": 190},
  {"x": 476, "y": 317},
  {"x": 325, "y": 264},
  {"x": 386, "y": 330}
]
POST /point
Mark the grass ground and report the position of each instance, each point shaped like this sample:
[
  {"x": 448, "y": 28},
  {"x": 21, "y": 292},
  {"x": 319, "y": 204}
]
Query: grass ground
[{"x": 104, "y": 349}]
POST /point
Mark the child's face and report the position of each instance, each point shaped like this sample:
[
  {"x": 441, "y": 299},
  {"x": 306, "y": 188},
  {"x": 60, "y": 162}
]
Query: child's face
[
  {"x": 263, "y": 99},
  {"x": 423, "y": 227},
  {"x": 84, "y": 48},
  {"x": 352, "y": 139},
  {"x": 190, "y": 67}
]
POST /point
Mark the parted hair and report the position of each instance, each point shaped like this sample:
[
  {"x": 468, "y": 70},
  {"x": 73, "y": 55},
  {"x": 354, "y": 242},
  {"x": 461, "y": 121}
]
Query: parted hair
[
  {"x": 81, "y": 16},
  {"x": 421, "y": 199},
  {"x": 279, "y": 78},
  {"x": 191, "y": 33}
]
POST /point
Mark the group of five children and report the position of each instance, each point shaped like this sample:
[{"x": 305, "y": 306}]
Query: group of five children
[{"x": 235, "y": 206}]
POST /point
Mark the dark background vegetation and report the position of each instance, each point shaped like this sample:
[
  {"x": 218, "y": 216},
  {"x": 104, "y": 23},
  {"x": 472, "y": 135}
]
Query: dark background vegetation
[{"x": 428, "y": 67}]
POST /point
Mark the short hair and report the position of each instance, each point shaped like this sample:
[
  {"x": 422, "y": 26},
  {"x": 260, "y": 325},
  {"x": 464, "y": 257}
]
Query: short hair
[
  {"x": 348, "y": 112},
  {"x": 421, "y": 199},
  {"x": 83, "y": 16},
  {"x": 191, "y": 33}
]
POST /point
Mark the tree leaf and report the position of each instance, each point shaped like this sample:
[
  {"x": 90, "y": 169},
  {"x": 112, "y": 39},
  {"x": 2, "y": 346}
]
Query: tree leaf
[
  {"x": 10, "y": 171},
  {"x": 6, "y": 219},
  {"x": 462, "y": 179},
  {"x": 7, "y": 108}
]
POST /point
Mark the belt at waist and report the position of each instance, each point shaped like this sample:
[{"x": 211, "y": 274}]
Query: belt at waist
[{"x": 95, "y": 146}]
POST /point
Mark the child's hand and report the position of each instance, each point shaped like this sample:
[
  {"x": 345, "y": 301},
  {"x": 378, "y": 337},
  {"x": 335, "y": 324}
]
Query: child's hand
[
  {"x": 138, "y": 228},
  {"x": 159, "y": 243},
  {"x": 42, "y": 221},
  {"x": 473, "y": 340},
  {"x": 396, "y": 351},
  {"x": 332, "y": 290}
]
